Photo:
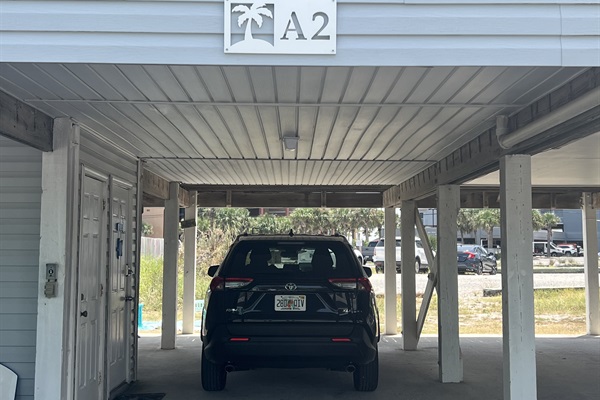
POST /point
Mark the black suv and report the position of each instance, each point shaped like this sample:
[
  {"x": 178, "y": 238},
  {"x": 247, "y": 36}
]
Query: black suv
[{"x": 290, "y": 301}]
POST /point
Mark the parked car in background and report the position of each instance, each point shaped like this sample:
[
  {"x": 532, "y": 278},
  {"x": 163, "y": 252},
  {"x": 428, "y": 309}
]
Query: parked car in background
[
  {"x": 369, "y": 250},
  {"x": 541, "y": 249},
  {"x": 420, "y": 263},
  {"x": 571, "y": 250},
  {"x": 474, "y": 258},
  {"x": 359, "y": 255},
  {"x": 290, "y": 301}
]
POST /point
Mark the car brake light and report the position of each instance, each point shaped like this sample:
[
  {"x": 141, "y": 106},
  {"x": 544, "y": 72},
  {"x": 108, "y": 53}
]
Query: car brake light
[
  {"x": 236, "y": 283},
  {"x": 345, "y": 283},
  {"x": 340, "y": 339},
  {"x": 219, "y": 283},
  {"x": 470, "y": 255},
  {"x": 239, "y": 339},
  {"x": 362, "y": 284}
]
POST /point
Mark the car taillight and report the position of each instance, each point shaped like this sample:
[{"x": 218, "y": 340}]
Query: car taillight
[
  {"x": 219, "y": 283},
  {"x": 344, "y": 283},
  {"x": 470, "y": 255},
  {"x": 351, "y": 283},
  {"x": 364, "y": 284}
]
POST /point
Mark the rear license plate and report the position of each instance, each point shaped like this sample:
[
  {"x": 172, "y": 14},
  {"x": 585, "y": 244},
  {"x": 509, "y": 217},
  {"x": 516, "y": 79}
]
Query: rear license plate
[{"x": 290, "y": 302}]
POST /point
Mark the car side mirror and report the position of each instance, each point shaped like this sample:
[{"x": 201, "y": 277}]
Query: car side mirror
[
  {"x": 212, "y": 270},
  {"x": 368, "y": 271}
]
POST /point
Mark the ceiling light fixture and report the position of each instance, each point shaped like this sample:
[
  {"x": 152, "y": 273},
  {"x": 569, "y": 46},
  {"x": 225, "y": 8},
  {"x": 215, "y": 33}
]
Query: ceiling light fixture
[{"x": 290, "y": 143}]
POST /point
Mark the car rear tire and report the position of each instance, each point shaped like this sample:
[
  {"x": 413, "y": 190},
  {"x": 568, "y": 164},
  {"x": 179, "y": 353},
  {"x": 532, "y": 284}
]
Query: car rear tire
[
  {"x": 480, "y": 269},
  {"x": 213, "y": 375},
  {"x": 494, "y": 271},
  {"x": 417, "y": 266},
  {"x": 366, "y": 377}
]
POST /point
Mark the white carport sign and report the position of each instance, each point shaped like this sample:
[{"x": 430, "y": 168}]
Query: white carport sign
[{"x": 280, "y": 27}]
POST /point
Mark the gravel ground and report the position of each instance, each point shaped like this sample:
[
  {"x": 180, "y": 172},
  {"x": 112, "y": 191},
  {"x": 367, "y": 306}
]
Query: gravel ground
[{"x": 473, "y": 285}]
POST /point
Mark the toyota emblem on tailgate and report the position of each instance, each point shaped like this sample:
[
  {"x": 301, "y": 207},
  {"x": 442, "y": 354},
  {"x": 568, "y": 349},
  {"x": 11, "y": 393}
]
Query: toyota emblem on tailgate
[{"x": 290, "y": 286}]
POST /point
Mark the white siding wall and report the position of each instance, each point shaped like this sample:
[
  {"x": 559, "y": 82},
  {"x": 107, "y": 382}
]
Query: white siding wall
[
  {"x": 385, "y": 32},
  {"x": 20, "y": 195}
]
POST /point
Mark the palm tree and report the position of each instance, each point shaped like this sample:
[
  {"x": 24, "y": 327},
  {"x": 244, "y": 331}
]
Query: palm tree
[
  {"x": 254, "y": 13},
  {"x": 536, "y": 220},
  {"x": 549, "y": 221},
  {"x": 487, "y": 219},
  {"x": 466, "y": 222}
]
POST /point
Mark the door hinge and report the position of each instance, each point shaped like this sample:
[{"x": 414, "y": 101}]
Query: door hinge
[
  {"x": 103, "y": 204},
  {"x": 101, "y": 290},
  {"x": 99, "y": 378}
]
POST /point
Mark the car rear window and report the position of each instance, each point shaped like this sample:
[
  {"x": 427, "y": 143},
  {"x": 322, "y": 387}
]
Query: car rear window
[{"x": 295, "y": 258}]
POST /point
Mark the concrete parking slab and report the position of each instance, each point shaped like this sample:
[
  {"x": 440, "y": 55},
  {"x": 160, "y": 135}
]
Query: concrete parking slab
[{"x": 567, "y": 368}]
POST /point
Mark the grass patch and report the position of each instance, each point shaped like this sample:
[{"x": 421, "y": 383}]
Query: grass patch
[
  {"x": 151, "y": 276},
  {"x": 556, "y": 312}
]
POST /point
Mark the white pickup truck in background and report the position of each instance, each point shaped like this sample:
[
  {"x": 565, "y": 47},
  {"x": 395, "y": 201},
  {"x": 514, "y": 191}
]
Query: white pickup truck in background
[{"x": 420, "y": 258}]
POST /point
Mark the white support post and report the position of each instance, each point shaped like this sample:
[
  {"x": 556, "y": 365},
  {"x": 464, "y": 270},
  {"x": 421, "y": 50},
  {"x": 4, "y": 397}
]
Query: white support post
[
  {"x": 518, "y": 326},
  {"x": 169, "y": 300},
  {"x": 391, "y": 317},
  {"x": 189, "y": 266},
  {"x": 58, "y": 233},
  {"x": 590, "y": 246},
  {"x": 409, "y": 295},
  {"x": 450, "y": 357}
]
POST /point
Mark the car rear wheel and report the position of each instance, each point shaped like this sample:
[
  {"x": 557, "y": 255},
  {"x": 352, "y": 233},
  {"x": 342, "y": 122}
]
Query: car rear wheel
[
  {"x": 417, "y": 266},
  {"x": 214, "y": 376},
  {"x": 366, "y": 377},
  {"x": 494, "y": 270},
  {"x": 480, "y": 269}
]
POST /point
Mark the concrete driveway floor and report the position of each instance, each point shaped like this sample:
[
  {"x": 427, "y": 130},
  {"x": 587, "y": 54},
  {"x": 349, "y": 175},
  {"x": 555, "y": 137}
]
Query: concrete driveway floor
[{"x": 567, "y": 368}]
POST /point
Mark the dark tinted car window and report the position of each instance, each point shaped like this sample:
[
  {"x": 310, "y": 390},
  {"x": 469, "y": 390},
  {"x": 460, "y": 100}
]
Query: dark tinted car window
[{"x": 285, "y": 258}]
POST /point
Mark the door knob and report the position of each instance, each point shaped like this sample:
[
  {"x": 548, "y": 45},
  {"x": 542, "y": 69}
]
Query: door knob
[{"x": 83, "y": 314}]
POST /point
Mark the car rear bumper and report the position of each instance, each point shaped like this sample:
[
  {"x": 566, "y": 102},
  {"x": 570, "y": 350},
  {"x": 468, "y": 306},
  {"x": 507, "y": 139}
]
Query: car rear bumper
[
  {"x": 467, "y": 267},
  {"x": 290, "y": 351}
]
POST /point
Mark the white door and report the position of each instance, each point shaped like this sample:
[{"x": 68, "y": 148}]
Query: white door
[
  {"x": 119, "y": 308},
  {"x": 90, "y": 333}
]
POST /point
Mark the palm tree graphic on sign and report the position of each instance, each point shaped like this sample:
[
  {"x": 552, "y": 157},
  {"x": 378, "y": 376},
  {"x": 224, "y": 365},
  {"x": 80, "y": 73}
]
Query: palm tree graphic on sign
[{"x": 254, "y": 13}]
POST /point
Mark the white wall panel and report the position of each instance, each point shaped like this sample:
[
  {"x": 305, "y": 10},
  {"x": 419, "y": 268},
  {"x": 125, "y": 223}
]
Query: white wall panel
[
  {"x": 20, "y": 196},
  {"x": 436, "y": 33}
]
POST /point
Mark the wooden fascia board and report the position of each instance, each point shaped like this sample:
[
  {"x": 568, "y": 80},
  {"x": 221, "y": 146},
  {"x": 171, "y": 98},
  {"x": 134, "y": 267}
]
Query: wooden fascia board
[
  {"x": 289, "y": 199},
  {"x": 24, "y": 123},
  {"x": 155, "y": 186}
]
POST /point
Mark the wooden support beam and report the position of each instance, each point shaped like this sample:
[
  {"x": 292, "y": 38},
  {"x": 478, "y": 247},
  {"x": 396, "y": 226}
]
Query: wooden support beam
[
  {"x": 24, "y": 123},
  {"x": 156, "y": 191},
  {"x": 432, "y": 277},
  {"x": 310, "y": 198},
  {"x": 518, "y": 317}
]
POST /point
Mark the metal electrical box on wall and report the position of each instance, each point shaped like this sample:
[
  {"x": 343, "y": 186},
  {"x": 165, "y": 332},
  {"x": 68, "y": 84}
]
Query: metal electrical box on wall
[{"x": 50, "y": 287}]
